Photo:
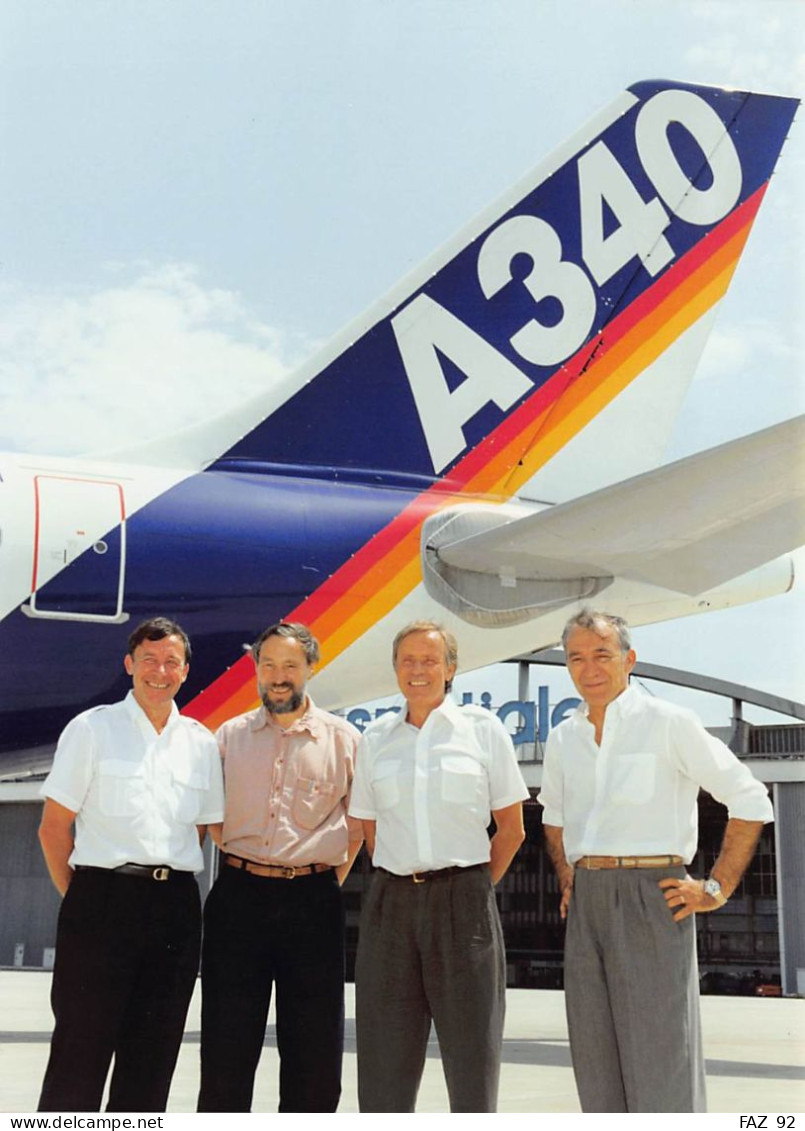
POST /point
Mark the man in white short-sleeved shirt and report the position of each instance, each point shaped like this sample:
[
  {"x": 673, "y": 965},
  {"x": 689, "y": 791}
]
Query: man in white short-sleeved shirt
[
  {"x": 619, "y": 789},
  {"x": 427, "y": 784},
  {"x": 132, "y": 789}
]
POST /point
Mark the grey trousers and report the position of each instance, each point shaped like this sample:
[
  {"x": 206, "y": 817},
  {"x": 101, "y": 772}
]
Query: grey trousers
[
  {"x": 632, "y": 995},
  {"x": 430, "y": 951}
]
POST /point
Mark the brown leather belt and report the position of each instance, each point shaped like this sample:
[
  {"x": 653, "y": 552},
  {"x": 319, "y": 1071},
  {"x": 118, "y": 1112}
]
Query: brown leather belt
[
  {"x": 275, "y": 871},
  {"x": 593, "y": 863}
]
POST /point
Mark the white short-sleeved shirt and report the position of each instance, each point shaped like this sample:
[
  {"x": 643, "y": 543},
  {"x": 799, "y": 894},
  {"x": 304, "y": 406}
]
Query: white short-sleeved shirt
[
  {"x": 138, "y": 795},
  {"x": 636, "y": 794},
  {"x": 431, "y": 789}
]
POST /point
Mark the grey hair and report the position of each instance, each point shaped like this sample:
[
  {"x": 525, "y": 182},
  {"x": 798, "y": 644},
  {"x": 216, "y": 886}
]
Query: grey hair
[
  {"x": 593, "y": 620},
  {"x": 292, "y": 630},
  {"x": 449, "y": 640}
]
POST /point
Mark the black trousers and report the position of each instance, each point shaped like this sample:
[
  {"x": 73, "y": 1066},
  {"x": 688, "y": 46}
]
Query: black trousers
[
  {"x": 127, "y": 951},
  {"x": 260, "y": 932}
]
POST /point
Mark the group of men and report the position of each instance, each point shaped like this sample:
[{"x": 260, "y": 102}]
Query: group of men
[{"x": 289, "y": 792}]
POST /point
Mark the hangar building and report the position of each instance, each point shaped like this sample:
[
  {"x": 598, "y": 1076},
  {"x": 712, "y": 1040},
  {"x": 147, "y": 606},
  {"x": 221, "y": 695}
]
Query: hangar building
[{"x": 755, "y": 944}]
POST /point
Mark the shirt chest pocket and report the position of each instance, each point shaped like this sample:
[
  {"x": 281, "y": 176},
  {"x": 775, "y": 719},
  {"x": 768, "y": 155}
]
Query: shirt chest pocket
[
  {"x": 386, "y": 784},
  {"x": 187, "y": 790},
  {"x": 462, "y": 778},
  {"x": 632, "y": 778},
  {"x": 121, "y": 787},
  {"x": 313, "y": 802}
]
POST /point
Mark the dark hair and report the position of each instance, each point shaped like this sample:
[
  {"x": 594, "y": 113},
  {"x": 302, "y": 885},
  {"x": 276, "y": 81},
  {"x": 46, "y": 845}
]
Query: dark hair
[
  {"x": 157, "y": 628},
  {"x": 593, "y": 621},
  {"x": 294, "y": 631}
]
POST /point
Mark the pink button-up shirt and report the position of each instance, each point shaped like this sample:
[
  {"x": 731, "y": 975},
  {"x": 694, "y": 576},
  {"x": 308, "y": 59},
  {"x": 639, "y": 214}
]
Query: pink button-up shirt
[{"x": 287, "y": 790}]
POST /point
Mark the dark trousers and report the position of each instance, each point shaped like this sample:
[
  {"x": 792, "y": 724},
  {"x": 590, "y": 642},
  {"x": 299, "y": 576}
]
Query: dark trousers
[
  {"x": 127, "y": 951},
  {"x": 430, "y": 951},
  {"x": 632, "y": 995},
  {"x": 260, "y": 932}
]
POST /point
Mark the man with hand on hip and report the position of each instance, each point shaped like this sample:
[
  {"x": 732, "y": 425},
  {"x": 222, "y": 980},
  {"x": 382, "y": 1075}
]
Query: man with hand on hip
[{"x": 619, "y": 789}]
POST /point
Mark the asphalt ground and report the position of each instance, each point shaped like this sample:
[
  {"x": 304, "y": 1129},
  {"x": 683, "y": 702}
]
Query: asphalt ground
[{"x": 754, "y": 1049}]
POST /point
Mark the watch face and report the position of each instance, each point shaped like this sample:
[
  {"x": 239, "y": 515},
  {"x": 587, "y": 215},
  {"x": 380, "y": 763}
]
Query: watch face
[{"x": 713, "y": 887}]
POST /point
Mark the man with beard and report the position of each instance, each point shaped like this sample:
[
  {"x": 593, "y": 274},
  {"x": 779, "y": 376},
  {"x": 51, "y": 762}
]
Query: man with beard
[{"x": 275, "y": 916}]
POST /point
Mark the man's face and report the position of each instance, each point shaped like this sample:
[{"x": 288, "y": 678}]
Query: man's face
[
  {"x": 158, "y": 669},
  {"x": 282, "y": 674},
  {"x": 597, "y": 666},
  {"x": 422, "y": 669}
]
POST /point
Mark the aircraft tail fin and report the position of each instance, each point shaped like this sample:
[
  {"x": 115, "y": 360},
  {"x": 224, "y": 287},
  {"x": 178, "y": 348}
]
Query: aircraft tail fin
[{"x": 490, "y": 357}]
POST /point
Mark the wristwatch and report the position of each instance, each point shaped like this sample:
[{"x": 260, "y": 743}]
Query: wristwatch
[{"x": 713, "y": 888}]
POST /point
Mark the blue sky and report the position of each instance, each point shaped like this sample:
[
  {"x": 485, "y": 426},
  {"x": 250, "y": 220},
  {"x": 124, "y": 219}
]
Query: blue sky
[{"x": 197, "y": 194}]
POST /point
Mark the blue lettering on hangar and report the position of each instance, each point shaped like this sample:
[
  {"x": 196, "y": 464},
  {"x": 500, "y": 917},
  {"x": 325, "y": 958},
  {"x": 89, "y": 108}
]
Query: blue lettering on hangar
[{"x": 534, "y": 718}]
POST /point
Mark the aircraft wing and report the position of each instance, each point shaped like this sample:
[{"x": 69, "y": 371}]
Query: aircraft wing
[{"x": 688, "y": 526}]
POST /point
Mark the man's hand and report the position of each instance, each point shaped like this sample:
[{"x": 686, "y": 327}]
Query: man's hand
[
  {"x": 509, "y": 835},
  {"x": 56, "y": 838},
  {"x": 564, "y": 869},
  {"x": 687, "y": 897},
  {"x": 566, "y": 888},
  {"x": 355, "y": 828}
]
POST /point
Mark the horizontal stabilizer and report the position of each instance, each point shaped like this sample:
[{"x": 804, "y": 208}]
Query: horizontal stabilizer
[{"x": 688, "y": 526}]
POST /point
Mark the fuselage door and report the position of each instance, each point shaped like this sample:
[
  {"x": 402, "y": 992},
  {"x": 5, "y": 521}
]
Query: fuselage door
[{"x": 79, "y": 561}]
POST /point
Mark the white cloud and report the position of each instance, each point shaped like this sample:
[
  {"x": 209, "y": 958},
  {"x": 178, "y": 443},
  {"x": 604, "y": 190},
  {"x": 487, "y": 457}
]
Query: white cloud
[{"x": 128, "y": 362}]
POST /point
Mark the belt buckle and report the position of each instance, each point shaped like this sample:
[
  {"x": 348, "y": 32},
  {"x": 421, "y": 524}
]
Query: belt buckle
[
  {"x": 591, "y": 866},
  {"x": 161, "y": 874},
  {"x": 415, "y": 876},
  {"x": 288, "y": 872}
]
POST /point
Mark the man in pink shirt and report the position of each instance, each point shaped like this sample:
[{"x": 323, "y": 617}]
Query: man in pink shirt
[{"x": 275, "y": 916}]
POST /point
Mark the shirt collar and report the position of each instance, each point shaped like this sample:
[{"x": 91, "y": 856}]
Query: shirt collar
[
  {"x": 309, "y": 721},
  {"x": 448, "y": 708},
  {"x": 626, "y": 701},
  {"x": 138, "y": 715},
  {"x": 621, "y": 705}
]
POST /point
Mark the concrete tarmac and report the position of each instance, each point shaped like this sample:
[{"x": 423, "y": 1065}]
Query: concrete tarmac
[{"x": 754, "y": 1048}]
